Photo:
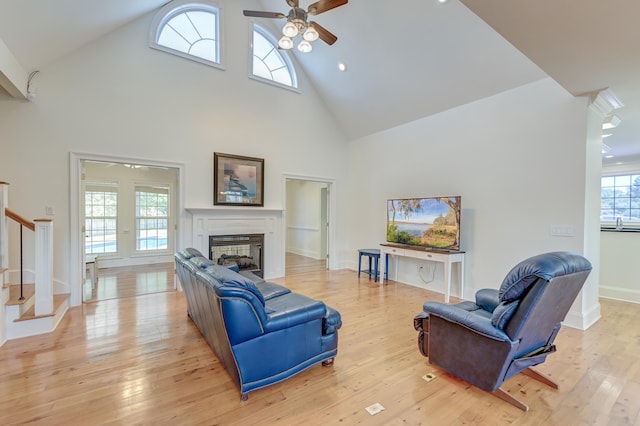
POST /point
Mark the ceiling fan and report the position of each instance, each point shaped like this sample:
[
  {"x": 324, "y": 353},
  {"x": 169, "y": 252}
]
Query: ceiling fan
[{"x": 297, "y": 23}]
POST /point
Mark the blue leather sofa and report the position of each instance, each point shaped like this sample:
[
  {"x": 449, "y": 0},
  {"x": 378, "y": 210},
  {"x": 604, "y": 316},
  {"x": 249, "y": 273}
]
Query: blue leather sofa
[{"x": 260, "y": 331}]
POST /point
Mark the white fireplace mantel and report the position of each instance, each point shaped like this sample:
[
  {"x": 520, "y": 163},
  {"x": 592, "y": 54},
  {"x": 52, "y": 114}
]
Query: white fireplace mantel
[{"x": 242, "y": 220}]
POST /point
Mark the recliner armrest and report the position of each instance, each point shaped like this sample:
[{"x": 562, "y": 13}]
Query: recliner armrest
[
  {"x": 478, "y": 323},
  {"x": 488, "y": 299}
]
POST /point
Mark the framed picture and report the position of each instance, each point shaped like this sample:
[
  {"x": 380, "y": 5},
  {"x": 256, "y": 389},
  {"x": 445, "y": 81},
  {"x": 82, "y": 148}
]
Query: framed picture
[{"x": 238, "y": 181}]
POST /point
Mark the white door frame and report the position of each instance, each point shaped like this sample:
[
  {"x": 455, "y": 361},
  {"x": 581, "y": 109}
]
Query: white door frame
[
  {"x": 331, "y": 186},
  {"x": 76, "y": 260}
]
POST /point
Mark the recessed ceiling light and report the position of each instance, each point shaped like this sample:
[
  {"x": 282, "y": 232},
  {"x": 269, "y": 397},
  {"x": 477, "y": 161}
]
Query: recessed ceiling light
[
  {"x": 342, "y": 66},
  {"x": 608, "y": 156},
  {"x": 442, "y": 1}
]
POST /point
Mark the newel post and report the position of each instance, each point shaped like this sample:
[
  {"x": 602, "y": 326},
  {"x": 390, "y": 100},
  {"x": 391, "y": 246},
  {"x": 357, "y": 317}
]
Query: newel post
[
  {"x": 4, "y": 236},
  {"x": 44, "y": 266}
]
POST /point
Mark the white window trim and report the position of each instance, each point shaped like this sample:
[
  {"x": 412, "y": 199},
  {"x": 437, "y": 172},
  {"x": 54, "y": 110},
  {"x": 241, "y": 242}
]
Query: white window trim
[
  {"x": 285, "y": 55},
  {"x": 170, "y": 220},
  {"x": 166, "y": 12},
  {"x": 611, "y": 224},
  {"x": 111, "y": 184}
]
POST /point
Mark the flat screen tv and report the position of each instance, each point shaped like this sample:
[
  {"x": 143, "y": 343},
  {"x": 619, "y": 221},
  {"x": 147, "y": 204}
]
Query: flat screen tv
[{"x": 432, "y": 222}]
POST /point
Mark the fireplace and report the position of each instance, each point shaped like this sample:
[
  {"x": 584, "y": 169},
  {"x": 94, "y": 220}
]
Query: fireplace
[
  {"x": 209, "y": 221},
  {"x": 245, "y": 250}
]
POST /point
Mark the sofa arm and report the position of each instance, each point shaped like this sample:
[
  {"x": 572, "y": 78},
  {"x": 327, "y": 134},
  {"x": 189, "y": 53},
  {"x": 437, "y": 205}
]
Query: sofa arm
[
  {"x": 290, "y": 310},
  {"x": 331, "y": 321},
  {"x": 478, "y": 323}
]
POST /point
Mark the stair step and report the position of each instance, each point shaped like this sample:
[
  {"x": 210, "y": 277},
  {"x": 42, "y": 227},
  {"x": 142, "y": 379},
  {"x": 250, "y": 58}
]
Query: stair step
[
  {"x": 58, "y": 300},
  {"x": 28, "y": 290}
]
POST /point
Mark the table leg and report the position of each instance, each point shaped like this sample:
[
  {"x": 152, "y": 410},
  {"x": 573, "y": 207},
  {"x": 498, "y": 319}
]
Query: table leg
[
  {"x": 461, "y": 263},
  {"x": 375, "y": 271},
  {"x": 447, "y": 281}
]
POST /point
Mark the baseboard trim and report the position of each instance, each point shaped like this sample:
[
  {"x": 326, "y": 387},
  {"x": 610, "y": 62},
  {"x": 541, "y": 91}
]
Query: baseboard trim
[{"x": 622, "y": 294}]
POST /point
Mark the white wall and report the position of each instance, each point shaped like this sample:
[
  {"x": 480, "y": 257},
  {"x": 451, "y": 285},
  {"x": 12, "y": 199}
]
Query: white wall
[
  {"x": 118, "y": 97},
  {"x": 619, "y": 267},
  {"x": 517, "y": 158},
  {"x": 518, "y": 161}
]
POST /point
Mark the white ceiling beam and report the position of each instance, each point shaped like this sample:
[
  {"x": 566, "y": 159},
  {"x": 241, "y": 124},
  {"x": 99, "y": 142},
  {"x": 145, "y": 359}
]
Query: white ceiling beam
[{"x": 13, "y": 78}]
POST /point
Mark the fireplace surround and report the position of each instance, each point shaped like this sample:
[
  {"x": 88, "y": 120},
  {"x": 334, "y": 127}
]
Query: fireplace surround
[{"x": 206, "y": 222}]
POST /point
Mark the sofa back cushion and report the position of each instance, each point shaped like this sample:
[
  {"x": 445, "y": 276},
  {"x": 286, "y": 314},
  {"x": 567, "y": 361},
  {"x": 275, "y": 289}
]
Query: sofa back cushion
[
  {"x": 188, "y": 253},
  {"x": 233, "y": 279},
  {"x": 201, "y": 262}
]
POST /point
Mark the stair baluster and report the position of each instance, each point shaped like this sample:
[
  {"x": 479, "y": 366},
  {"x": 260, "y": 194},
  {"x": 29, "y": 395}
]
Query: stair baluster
[{"x": 21, "y": 267}]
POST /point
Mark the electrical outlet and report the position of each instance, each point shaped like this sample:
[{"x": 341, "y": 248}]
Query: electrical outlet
[
  {"x": 50, "y": 210},
  {"x": 429, "y": 377},
  {"x": 375, "y": 408}
]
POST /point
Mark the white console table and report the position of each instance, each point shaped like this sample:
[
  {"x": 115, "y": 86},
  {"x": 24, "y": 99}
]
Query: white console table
[{"x": 444, "y": 257}]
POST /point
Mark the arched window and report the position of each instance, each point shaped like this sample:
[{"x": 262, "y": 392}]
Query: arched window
[
  {"x": 269, "y": 63},
  {"x": 189, "y": 29}
]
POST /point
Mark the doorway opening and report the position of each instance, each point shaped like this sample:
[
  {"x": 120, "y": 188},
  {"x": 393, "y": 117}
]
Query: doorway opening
[
  {"x": 124, "y": 218},
  {"x": 307, "y": 225}
]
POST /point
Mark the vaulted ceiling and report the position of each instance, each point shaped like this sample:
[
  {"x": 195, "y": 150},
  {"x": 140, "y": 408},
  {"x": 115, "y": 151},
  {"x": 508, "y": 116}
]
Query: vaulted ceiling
[{"x": 405, "y": 59}]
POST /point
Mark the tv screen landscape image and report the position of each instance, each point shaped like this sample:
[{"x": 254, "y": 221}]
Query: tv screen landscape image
[{"x": 432, "y": 222}]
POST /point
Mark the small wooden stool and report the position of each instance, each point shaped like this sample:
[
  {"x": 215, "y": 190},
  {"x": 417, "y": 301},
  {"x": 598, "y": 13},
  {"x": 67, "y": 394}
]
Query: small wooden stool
[{"x": 372, "y": 254}]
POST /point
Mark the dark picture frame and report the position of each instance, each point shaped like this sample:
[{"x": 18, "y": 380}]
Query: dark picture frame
[{"x": 238, "y": 180}]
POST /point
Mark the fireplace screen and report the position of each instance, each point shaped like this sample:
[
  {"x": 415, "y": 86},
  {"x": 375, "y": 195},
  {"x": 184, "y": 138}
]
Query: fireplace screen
[{"x": 245, "y": 250}]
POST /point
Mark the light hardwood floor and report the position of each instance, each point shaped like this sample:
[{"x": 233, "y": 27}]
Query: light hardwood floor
[
  {"x": 140, "y": 360},
  {"x": 297, "y": 264},
  {"x": 127, "y": 281}
]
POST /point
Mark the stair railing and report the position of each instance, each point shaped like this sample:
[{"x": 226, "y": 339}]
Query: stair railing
[{"x": 23, "y": 223}]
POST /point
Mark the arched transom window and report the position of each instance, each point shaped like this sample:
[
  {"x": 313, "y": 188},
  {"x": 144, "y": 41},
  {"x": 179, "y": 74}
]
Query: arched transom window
[
  {"x": 189, "y": 29},
  {"x": 269, "y": 63}
]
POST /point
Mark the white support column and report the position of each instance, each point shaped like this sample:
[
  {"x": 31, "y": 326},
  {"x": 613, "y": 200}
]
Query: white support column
[
  {"x": 4, "y": 236},
  {"x": 44, "y": 266}
]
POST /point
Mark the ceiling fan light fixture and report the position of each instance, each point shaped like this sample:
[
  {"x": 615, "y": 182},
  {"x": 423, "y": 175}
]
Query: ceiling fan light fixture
[
  {"x": 311, "y": 34},
  {"x": 290, "y": 29},
  {"x": 297, "y": 23},
  {"x": 305, "y": 46},
  {"x": 285, "y": 43}
]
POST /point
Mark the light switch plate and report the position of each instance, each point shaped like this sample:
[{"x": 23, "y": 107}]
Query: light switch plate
[{"x": 563, "y": 231}]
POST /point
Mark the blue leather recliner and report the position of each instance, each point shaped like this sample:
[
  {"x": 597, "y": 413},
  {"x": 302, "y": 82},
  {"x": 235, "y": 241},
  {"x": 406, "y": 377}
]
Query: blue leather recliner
[
  {"x": 260, "y": 331},
  {"x": 506, "y": 331}
]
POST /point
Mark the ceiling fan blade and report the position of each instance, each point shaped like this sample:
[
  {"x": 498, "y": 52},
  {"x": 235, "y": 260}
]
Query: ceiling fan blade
[
  {"x": 292, "y": 3},
  {"x": 260, "y": 14},
  {"x": 324, "y": 5},
  {"x": 324, "y": 34}
]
